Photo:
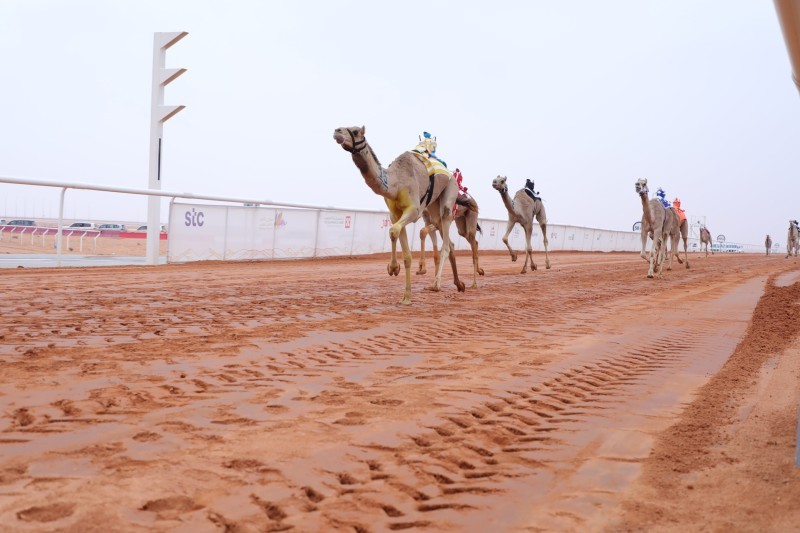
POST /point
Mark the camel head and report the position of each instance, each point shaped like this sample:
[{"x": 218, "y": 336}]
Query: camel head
[
  {"x": 352, "y": 139},
  {"x": 499, "y": 183},
  {"x": 641, "y": 187}
]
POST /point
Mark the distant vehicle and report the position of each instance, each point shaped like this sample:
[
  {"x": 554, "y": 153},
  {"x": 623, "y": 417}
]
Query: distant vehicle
[
  {"x": 80, "y": 225},
  {"x": 112, "y": 227},
  {"x": 20, "y": 223},
  {"x": 143, "y": 227}
]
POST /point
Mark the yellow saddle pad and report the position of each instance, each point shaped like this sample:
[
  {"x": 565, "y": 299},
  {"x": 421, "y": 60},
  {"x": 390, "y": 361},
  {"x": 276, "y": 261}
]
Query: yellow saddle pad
[{"x": 432, "y": 165}]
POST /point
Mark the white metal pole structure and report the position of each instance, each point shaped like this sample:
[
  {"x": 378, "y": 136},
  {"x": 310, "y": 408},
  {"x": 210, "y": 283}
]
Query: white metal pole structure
[
  {"x": 789, "y": 18},
  {"x": 159, "y": 114}
]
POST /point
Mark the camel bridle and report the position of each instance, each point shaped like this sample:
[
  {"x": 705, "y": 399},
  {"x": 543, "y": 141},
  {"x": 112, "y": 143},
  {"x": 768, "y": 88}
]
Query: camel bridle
[{"x": 355, "y": 148}]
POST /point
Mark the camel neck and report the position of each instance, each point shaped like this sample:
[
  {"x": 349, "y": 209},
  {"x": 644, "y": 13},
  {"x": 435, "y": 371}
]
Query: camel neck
[
  {"x": 370, "y": 168},
  {"x": 507, "y": 200},
  {"x": 645, "y": 208}
]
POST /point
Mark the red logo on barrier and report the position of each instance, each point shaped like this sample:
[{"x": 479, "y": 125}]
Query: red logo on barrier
[
  {"x": 386, "y": 223},
  {"x": 346, "y": 222}
]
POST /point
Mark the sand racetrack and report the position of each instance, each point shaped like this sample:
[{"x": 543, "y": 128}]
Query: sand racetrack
[{"x": 298, "y": 396}]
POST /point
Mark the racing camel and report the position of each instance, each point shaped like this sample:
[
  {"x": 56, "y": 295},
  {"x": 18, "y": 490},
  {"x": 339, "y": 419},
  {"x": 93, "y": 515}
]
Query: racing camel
[{"x": 407, "y": 190}]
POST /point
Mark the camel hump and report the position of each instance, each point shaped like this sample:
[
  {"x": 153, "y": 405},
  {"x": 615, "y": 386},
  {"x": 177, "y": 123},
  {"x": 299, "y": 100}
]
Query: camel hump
[
  {"x": 467, "y": 201},
  {"x": 533, "y": 194}
]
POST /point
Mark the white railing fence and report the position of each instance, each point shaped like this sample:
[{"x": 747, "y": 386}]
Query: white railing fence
[
  {"x": 262, "y": 229},
  {"x": 42, "y": 232},
  {"x": 215, "y": 232}
]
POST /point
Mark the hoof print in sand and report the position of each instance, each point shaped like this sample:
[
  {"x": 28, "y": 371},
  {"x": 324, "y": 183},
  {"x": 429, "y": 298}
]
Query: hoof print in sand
[
  {"x": 47, "y": 513},
  {"x": 171, "y": 506}
]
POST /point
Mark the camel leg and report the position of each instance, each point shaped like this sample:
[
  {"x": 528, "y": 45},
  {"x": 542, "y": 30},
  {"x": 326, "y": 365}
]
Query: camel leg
[
  {"x": 669, "y": 250},
  {"x": 458, "y": 283},
  {"x": 544, "y": 241},
  {"x": 393, "y": 267},
  {"x": 407, "y": 264},
  {"x": 644, "y": 246},
  {"x": 676, "y": 249},
  {"x": 422, "y": 234},
  {"x": 666, "y": 252},
  {"x": 395, "y": 230},
  {"x": 683, "y": 233},
  {"x": 686, "y": 250},
  {"x": 466, "y": 228},
  {"x": 447, "y": 249},
  {"x": 528, "y": 251},
  {"x": 434, "y": 247},
  {"x": 509, "y": 227},
  {"x": 447, "y": 219},
  {"x": 661, "y": 255},
  {"x": 655, "y": 253},
  {"x": 473, "y": 242}
]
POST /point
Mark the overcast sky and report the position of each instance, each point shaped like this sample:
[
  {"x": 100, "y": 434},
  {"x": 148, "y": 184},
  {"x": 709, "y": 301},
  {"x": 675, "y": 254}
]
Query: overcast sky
[{"x": 584, "y": 97}]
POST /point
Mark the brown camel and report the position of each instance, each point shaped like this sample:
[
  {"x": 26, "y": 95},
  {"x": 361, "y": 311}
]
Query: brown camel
[
  {"x": 407, "y": 190},
  {"x": 522, "y": 210},
  {"x": 683, "y": 228},
  {"x": 662, "y": 224},
  {"x": 768, "y": 244},
  {"x": 466, "y": 220},
  {"x": 705, "y": 239},
  {"x": 647, "y": 231},
  {"x": 792, "y": 239}
]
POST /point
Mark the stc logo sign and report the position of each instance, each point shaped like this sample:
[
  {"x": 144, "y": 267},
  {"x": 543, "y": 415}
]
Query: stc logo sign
[{"x": 194, "y": 218}]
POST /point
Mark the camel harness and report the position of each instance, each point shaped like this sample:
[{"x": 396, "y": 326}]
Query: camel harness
[{"x": 356, "y": 149}]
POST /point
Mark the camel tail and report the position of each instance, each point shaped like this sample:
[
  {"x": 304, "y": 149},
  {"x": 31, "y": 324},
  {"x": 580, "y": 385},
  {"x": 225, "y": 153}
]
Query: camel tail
[{"x": 479, "y": 229}]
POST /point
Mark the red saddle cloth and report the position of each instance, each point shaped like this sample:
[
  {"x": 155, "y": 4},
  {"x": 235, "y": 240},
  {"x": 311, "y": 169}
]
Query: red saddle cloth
[{"x": 462, "y": 190}]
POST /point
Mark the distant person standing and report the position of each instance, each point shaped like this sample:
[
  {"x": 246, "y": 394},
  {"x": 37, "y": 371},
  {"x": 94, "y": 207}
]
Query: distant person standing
[{"x": 768, "y": 244}]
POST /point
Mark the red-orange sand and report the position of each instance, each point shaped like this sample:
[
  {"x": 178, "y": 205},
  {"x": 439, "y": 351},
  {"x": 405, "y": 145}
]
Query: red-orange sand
[{"x": 296, "y": 395}]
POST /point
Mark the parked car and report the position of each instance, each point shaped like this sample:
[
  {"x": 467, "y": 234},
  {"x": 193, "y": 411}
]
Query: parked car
[
  {"x": 143, "y": 227},
  {"x": 21, "y": 222},
  {"x": 112, "y": 227},
  {"x": 80, "y": 225}
]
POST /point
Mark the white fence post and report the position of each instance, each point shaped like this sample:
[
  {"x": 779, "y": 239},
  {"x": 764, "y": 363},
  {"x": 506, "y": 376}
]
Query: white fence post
[
  {"x": 59, "y": 229},
  {"x": 316, "y": 232}
]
